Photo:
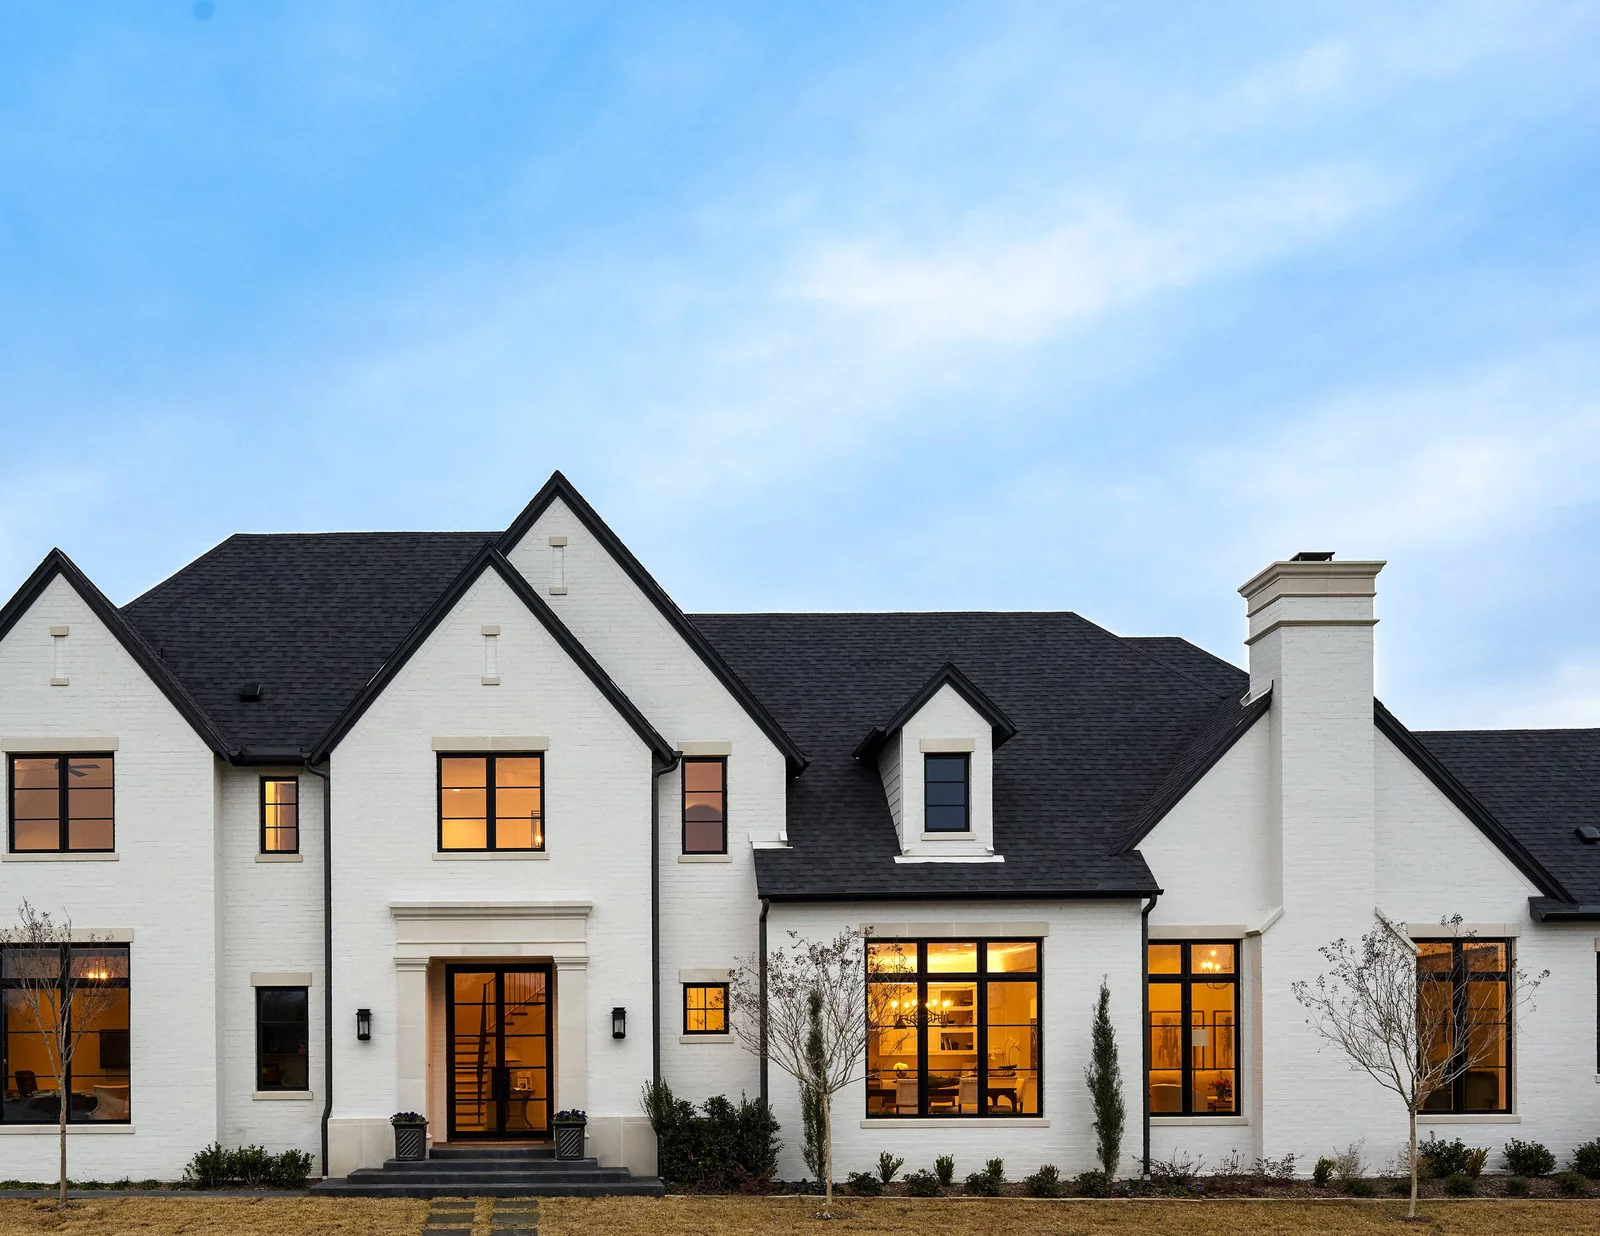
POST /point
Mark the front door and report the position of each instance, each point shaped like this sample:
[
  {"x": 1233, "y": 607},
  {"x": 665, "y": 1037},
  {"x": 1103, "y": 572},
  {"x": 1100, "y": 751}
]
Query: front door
[{"x": 497, "y": 1025}]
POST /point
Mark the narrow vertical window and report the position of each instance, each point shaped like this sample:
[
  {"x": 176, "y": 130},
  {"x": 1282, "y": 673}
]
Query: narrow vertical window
[
  {"x": 1462, "y": 1005},
  {"x": 282, "y": 1036},
  {"x": 705, "y": 1008},
  {"x": 1194, "y": 1013},
  {"x": 61, "y": 802},
  {"x": 491, "y": 802},
  {"x": 944, "y": 780},
  {"x": 280, "y": 815},
  {"x": 705, "y": 806}
]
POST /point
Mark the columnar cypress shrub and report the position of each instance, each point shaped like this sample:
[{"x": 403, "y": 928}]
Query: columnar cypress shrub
[{"x": 1104, "y": 1078}]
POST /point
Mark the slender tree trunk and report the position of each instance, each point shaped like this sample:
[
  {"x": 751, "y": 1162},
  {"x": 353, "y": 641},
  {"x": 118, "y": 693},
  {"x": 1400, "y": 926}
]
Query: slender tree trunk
[
  {"x": 1412, "y": 1213},
  {"x": 65, "y": 1100},
  {"x": 827, "y": 1153}
]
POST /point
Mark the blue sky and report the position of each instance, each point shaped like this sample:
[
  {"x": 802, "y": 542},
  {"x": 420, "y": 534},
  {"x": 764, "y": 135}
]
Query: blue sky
[{"x": 890, "y": 306}]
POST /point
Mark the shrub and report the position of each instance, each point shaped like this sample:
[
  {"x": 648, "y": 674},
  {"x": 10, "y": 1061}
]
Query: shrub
[
  {"x": 1586, "y": 1159},
  {"x": 944, "y": 1167},
  {"x": 1516, "y": 1186},
  {"x": 1349, "y": 1164},
  {"x": 864, "y": 1184},
  {"x": 1176, "y": 1172},
  {"x": 1046, "y": 1182},
  {"x": 1093, "y": 1184},
  {"x": 987, "y": 1182},
  {"x": 888, "y": 1165},
  {"x": 251, "y": 1166},
  {"x": 1459, "y": 1184},
  {"x": 1322, "y": 1172},
  {"x": 1450, "y": 1158},
  {"x": 1359, "y": 1187},
  {"x": 1276, "y": 1169},
  {"x": 1572, "y": 1184},
  {"x": 1400, "y": 1186},
  {"x": 156, "y": 1184},
  {"x": 922, "y": 1183},
  {"x": 723, "y": 1146},
  {"x": 1529, "y": 1158},
  {"x": 293, "y": 1169},
  {"x": 1476, "y": 1158},
  {"x": 209, "y": 1168}
]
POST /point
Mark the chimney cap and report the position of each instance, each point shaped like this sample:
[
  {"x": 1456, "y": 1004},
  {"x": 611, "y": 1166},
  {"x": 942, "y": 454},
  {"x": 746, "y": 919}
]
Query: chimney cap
[{"x": 1313, "y": 555}]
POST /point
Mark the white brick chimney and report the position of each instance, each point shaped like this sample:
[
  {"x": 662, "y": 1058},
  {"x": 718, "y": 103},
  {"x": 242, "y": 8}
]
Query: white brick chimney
[{"x": 1311, "y": 641}]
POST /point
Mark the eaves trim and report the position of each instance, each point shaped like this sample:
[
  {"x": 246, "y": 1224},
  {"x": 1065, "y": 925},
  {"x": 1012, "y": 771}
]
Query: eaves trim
[
  {"x": 1002, "y": 728},
  {"x": 559, "y": 487}
]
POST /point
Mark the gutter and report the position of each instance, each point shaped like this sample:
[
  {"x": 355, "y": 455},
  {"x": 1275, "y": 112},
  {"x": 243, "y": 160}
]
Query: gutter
[
  {"x": 655, "y": 915},
  {"x": 1144, "y": 1028},
  {"x": 761, "y": 935},
  {"x": 327, "y": 953},
  {"x": 1549, "y": 910}
]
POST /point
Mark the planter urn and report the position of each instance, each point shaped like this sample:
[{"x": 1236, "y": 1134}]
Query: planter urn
[
  {"x": 569, "y": 1131},
  {"x": 410, "y": 1139}
]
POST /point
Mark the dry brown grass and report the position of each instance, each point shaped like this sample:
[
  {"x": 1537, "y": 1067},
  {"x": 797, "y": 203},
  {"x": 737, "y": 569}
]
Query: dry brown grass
[{"x": 788, "y": 1216}]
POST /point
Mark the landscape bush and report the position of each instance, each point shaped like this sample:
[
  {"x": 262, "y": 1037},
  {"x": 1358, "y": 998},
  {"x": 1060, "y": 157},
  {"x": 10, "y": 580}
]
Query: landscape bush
[
  {"x": 1529, "y": 1158},
  {"x": 1175, "y": 1173},
  {"x": 1322, "y": 1173},
  {"x": 1516, "y": 1186},
  {"x": 1586, "y": 1159},
  {"x": 987, "y": 1183},
  {"x": 1094, "y": 1183},
  {"x": 1572, "y": 1184},
  {"x": 1455, "y": 1158},
  {"x": 1046, "y": 1182},
  {"x": 922, "y": 1183},
  {"x": 944, "y": 1167},
  {"x": 249, "y": 1166},
  {"x": 1360, "y": 1186},
  {"x": 722, "y": 1146},
  {"x": 1459, "y": 1184},
  {"x": 864, "y": 1184},
  {"x": 1349, "y": 1165},
  {"x": 888, "y": 1165}
]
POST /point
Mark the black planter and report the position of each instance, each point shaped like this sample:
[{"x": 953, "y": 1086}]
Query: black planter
[
  {"x": 411, "y": 1141},
  {"x": 569, "y": 1141}
]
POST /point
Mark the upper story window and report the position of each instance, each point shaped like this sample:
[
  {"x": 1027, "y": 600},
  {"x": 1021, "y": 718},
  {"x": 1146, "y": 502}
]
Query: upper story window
[
  {"x": 280, "y": 815},
  {"x": 705, "y": 806},
  {"x": 705, "y": 1008},
  {"x": 61, "y": 802},
  {"x": 491, "y": 802},
  {"x": 945, "y": 797},
  {"x": 953, "y": 1028},
  {"x": 1462, "y": 989},
  {"x": 1194, "y": 1016},
  {"x": 96, "y": 1082}
]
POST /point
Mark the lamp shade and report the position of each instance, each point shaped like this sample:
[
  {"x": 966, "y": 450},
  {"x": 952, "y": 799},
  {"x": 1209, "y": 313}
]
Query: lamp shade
[
  {"x": 363, "y": 1024},
  {"x": 619, "y": 1023}
]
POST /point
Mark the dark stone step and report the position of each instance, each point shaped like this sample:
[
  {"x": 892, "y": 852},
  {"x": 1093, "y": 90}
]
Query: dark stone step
[
  {"x": 602, "y": 1176},
  {"x": 490, "y": 1151},
  {"x": 638, "y": 1186}
]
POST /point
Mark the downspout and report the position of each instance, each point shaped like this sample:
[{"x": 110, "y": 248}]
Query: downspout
[
  {"x": 1144, "y": 1029},
  {"x": 327, "y": 954},
  {"x": 655, "y": 916},
  {"x": 761, "y": 944}
]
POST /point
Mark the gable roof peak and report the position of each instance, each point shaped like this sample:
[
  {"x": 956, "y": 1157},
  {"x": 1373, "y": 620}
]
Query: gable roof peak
[{"x": 947, "y": 675}]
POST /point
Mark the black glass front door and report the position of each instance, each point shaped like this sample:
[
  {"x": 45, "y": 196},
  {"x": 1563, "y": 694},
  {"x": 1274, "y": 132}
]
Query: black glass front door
[{"x": 498, "y": 1030}]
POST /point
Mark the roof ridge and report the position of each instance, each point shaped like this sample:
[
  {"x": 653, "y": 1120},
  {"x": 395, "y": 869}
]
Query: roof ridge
[{"x": 1168, "y": 665}]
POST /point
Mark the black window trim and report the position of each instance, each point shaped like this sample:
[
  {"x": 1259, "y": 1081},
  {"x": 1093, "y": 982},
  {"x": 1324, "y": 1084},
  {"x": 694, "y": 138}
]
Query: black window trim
[
  {"x": 683, "y": 801},
  {"x": 260, "y": 1086},
  {"x": 982, "y": 978},
  {"x": 265, "y": 778},
  {"x": 966, "y": 791},
  {"x": 62, "y": 759},
  {"x": 722, "y": 1033},
  {"x": 1459, "y": 973},
  {"x": 1187, "y": 979},
  {"x": 66, "y": 1082},
  {"x": 489, "y": 806}
]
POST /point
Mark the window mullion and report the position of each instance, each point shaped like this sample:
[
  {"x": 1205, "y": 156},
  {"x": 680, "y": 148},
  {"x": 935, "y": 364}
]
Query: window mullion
[
  {"x": 922, "y": 1029},
  {"x": 1186, "y": 1038},
  {"x": 489, "y": 839},
  {"x": 62, "y": 764},
  {"x": 980, "y": 1013}
]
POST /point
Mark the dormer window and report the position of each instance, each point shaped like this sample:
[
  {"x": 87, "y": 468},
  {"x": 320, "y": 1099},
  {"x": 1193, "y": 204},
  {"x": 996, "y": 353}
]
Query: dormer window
[{"x": 946, "y": 803}]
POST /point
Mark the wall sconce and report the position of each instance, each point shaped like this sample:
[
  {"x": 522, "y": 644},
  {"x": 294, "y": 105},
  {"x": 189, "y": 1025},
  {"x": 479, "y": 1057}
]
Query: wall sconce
[
  {"x": 619, "y": 1023},
  {"x": 363, "y": 1024}
]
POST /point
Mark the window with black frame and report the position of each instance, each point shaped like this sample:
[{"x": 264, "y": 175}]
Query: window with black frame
[
  {"x": 491, "y": 802},
  {"x": 1194, "y": 1018},
  {"x": 61, "y": 802},
  {"x": 945, "y": 805},
  {"x": 953, "y": 1028},
  {"x": 280, "y": 815},
  {"x": 97, "y": 1079},
  {"x": 705, "y": 1008},
  {"x": 282, "y": 1039},
  {"x": 1463, "y": 989},
  {"x": 705, "y": 806}
]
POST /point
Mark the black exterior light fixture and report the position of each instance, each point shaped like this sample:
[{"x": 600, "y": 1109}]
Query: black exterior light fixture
[
  {"x": 363, "y": 1024},
  {"x": 619, "y": 1023}
]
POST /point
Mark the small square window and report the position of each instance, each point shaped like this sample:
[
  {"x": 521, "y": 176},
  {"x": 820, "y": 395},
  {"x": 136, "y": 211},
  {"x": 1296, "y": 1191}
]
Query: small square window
[
  {"x": 705, "y": 1008},
  {"x": 62, "y": 802}
]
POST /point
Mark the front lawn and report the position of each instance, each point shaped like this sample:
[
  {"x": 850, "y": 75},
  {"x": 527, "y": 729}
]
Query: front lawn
[{"x": 749, "y": 1216}]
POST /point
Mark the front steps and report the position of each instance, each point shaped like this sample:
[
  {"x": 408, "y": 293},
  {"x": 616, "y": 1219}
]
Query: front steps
[{"x": 491, "y": 1171}]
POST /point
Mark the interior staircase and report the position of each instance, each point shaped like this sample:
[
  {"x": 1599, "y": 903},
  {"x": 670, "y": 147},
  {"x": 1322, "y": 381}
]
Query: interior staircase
[{"x": 491, "y": 1171}]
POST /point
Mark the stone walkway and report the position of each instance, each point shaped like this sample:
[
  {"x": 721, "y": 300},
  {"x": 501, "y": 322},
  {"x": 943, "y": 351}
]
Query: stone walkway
[{"x": 454, "y": 1216}]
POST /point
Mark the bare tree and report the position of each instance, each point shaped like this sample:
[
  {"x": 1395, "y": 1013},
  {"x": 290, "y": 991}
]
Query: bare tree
[
  {"x": 65, "y": 991},
  {"x": 1407, "y": 1013},
  {"x": 813, "y": 1021}
]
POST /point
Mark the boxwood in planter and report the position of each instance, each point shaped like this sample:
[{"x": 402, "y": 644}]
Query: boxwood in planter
[
  {"x": 410, "y": 1136},
  {"x": 569, "y": 1126}
]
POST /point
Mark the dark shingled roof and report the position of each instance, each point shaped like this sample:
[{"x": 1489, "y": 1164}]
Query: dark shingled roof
[
  {"x": 310, "y": 616},
  {"x": 1541, "y": 785},
  {"x": 1099, "y": 724}
]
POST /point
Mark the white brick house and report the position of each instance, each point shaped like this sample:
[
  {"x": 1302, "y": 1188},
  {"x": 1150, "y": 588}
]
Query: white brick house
[{"x": 561, "y": 810}]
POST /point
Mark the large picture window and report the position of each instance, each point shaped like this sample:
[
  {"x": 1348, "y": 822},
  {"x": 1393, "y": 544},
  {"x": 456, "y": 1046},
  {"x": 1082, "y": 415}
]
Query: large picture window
[
  {"x": 953, "y": 1028},
  {"x": 1462, "y": 989},
  {"x": 280, "y": 815},
  {"x": 61, "y": 802},
  {"x": 491, "y": 802},
  {"x": 705, "y": 806},
  {"x": 97, "y": 1081},
  {"x": 282, "y": 1035},
  {"x": 1194, "y": 1021}
]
